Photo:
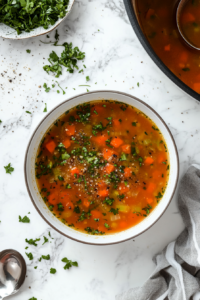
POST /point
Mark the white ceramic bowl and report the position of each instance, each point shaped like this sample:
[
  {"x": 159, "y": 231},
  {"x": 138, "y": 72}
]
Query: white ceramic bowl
[
  {"x": 10, "y": 33},
  {"x": 29, "y": 169}
]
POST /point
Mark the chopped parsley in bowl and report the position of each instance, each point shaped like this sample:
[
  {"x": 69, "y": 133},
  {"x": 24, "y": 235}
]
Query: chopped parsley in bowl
[{"x": 22, "y": 18}]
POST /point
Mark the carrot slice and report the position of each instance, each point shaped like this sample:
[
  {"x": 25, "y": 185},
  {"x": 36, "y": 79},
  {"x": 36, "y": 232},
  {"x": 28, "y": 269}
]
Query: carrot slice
[
  {"x": 86, "y": 203},
  {"x": 127, "y": 172},
  {"x": 51, "y": 146},
  {"x": 96, "y": 214},
  {"x": 126, "y": 149},
  {"x": 108, "y": 153},
  {"x": 149, "y": 161},
  {"x": 53, "y": 198},
  {"x": 75, "y": 170},
  {"x": 101, "y": 139},
  {"x": 96, "y": 110},
  {"x": 67, "y": 143},
  {"x": 103, "y": 193},
  {"x": 109, "y": 168},
  {"x": 150, "y": 13},
  {"x": 116, "y": 123},
  {"x": 151, "y": 187},
  {"x": 187, "y": 17},
  {"x": 70, "y": 130},
  {"x": 116, "y": 142},
  {"x": 167, "y": 47},
  {"x": 149, "y": 200}
]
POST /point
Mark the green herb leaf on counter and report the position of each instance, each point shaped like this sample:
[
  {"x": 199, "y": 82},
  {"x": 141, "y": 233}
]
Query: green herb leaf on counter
[
  {"x": 0, "y": 121},
  {"x": 28, "y": 112},
  {"x": 33, "y": 298},
  {"x": 30, "y": 255},
  {"x": 9, "y": 169},
  {"x": 24, "y": 220},
  {"x": 32, "y": 242},
  {"x": 28, "y": 51},
  {"x": 69, "y": 263},
  {"x": 35, "y": 267},
  {"x": 46, "y": 257},
  {"x": 45, "y": 109},
  {"x": 45, "y": 240},
  {"x": 68, "y": 59},
  {"x": 87, "y": 78},
  {"x": 47, "y": 89},
  {"x": 138, "y": 84},
  {"x": 53, "y": 271},
  {"x": 60, "y": 88}
]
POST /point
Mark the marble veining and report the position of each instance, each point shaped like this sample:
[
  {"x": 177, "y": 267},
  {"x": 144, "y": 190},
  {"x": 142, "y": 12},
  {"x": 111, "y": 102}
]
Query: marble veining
[{"x": 114, "y": 60}]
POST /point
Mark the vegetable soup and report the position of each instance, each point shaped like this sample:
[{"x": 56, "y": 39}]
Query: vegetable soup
[
  {"x": 158, "y": 22},
  {"x": 102, "y": 167}
]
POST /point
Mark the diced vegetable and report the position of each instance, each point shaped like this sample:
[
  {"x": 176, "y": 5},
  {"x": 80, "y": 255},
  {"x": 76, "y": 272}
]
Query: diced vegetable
[{"x": 51, "y": 146}]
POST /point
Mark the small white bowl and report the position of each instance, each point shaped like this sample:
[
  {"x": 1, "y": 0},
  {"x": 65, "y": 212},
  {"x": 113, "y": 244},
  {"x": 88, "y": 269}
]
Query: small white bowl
[
  {"x": 29, "y": 169},
  {"x": 10, "y": 33}
]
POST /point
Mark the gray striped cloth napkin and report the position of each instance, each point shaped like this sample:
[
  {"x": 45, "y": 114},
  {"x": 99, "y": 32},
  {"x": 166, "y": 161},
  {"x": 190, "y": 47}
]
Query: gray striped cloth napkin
[{"x": 177, "y": 273}]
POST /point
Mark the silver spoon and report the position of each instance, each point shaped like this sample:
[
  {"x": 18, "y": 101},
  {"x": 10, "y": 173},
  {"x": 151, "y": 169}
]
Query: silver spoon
[
  {"x": 178, "y": 16},
  {"x": 12, "y": 272}
]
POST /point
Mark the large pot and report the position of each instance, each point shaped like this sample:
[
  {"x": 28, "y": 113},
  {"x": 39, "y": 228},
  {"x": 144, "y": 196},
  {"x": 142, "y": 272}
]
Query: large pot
[{"x": 130, "y": 6}]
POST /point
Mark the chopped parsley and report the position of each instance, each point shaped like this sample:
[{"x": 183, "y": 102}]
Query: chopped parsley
[
  {"x": 45, "y": 240},
  {"x": 46, "y": 88},
  {"x": 9, "y": 169},
  {"x": 28, "y": 51},
  {"x": 53, "y": 271},
  {"x": 115, "y": 211},
  {"x": 87, "y": 78},
  {"x": 68, "y": 59},
  {"x": 32, "y": 242},
  {"x": 69, "y": 263},
  {"x": 25, "y": 219},
  {"x": 46, "y": 257},
  {"x": 30, "y": 255},
  {"x": 45, "y": 109}
]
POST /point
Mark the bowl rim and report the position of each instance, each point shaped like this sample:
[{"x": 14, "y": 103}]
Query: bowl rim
[
  {"x": 71, "y": 99},
  {"x": 58, "y": 22},
  {"x": 147, "y": 46}
]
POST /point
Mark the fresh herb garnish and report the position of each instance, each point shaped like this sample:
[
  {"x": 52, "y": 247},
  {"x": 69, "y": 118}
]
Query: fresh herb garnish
[
  {"x": 46, "y": 257},
  {"x": 45, "y": 109},
  {"x": 32, "y": 242},
  {"x": 53, "y": 271},
  {"x": 47, "y": 89},
  {"x": 69, "y": 263},
  {"x": 109, "y": 201},
  {"x": 30, "y": 255},
  {"x": 28, "y": 15},
  {"x": 68, "y": 59},
  {"x": 45, "y": 240},
  {"x": 28, "y": 51},
  {"x": 25, "y": 219},
  {"x": 9, "y": 169},
  {"x": 115, "y": 211}
]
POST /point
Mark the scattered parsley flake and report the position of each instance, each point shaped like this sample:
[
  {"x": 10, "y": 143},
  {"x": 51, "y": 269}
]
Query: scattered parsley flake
[
  {"x": 9, "y": 169},
  {"x": 45, "y": 109},
  {"x": 69, "y": 263},
  {"x": 24, "y": 220}
]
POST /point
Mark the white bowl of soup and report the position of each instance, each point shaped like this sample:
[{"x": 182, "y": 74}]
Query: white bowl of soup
[{"x": 101, "y": 167}]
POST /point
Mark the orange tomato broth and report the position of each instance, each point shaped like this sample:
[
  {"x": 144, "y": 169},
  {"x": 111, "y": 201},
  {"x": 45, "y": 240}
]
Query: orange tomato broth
[
  {"x": 158, "y": 22},
  {"x": 102, "y": 167},
  {"x": 190, "y": 22}
]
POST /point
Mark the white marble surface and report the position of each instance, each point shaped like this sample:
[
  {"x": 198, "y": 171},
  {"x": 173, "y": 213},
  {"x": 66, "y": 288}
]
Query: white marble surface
[{"x": 115, "y": 60}]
